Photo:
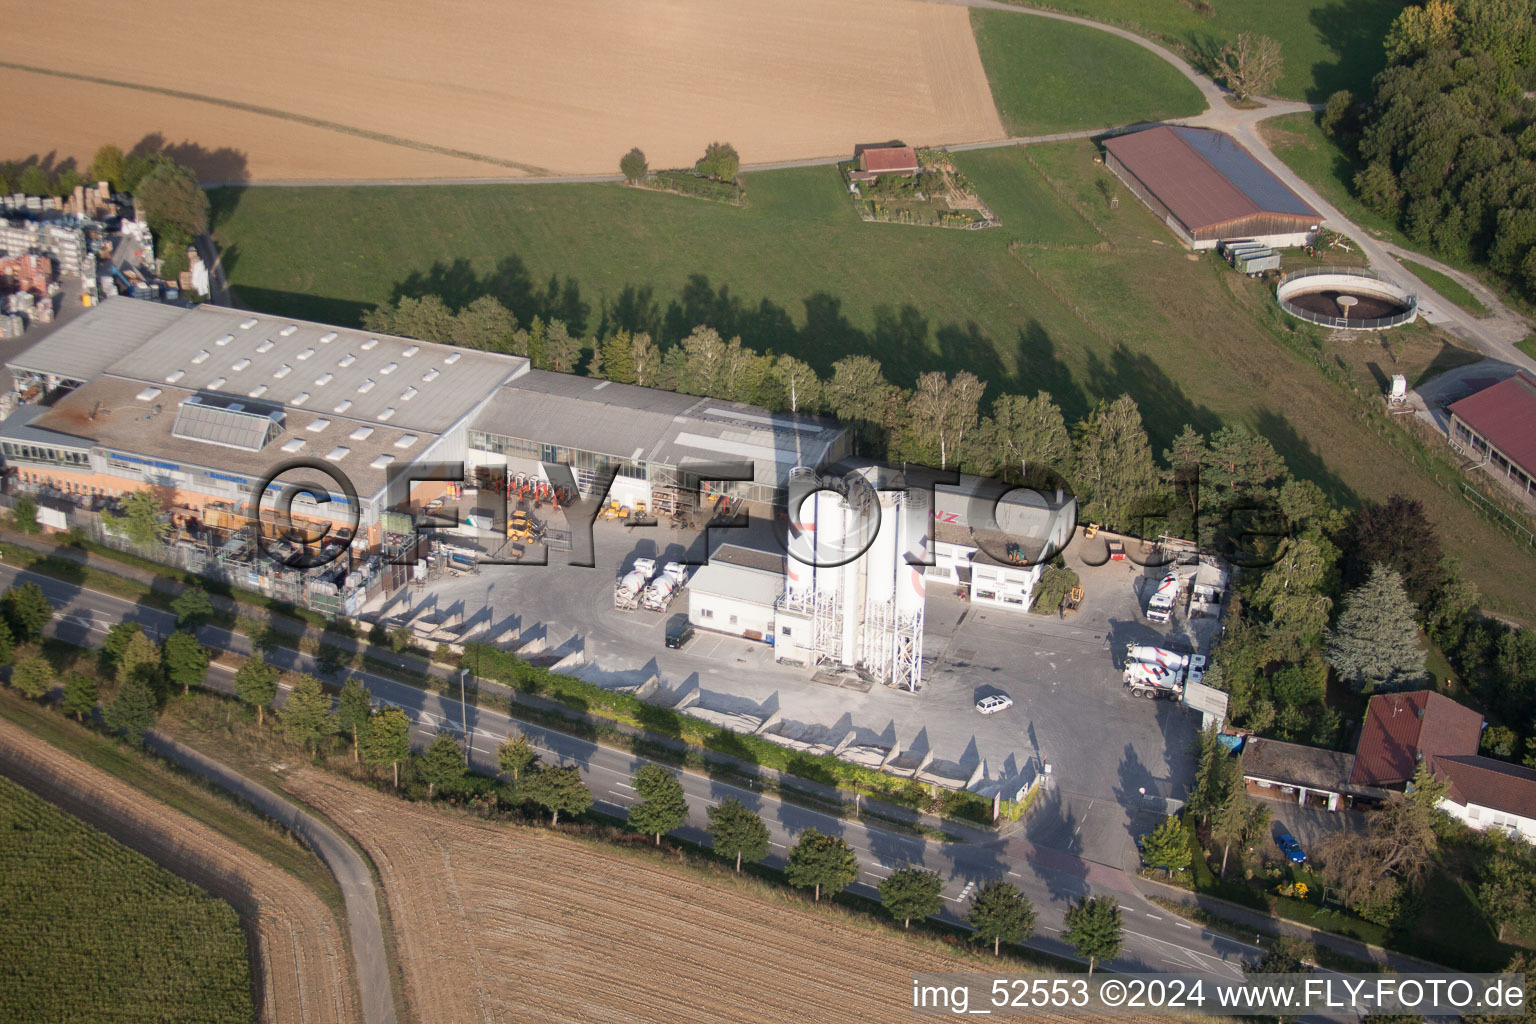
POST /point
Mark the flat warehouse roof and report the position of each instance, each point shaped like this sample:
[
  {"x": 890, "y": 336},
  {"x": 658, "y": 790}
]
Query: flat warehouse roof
[
  {"x": 338, "y": 370},
  {"x": 1205, "y": 177},
  {"x": 738, "y": 582},
  {"x": 638, "y": 424},
  {"x": 96, "y": 338}
]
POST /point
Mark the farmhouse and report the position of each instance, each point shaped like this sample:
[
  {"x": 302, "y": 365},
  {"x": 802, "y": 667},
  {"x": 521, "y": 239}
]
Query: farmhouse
[
  {"x": 1498, "y": 427},
  {"x": 1489, "y": 794},
  {"x": 1207, "y": 188},
  {"x": 875, "y": 161}
]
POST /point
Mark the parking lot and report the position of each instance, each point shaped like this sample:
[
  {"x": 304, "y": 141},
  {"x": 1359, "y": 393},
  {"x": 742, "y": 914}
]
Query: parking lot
[{"x": 1114, "y": 760}]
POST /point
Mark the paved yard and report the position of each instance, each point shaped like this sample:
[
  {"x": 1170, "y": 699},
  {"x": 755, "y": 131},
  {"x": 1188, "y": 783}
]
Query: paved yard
[{"x": 1115, "y": 760}]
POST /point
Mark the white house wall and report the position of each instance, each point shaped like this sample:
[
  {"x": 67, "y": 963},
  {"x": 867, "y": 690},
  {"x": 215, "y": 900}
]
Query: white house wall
[
  {"x": 1485, "y": 818},
  {"x": 729, "y": 614}
]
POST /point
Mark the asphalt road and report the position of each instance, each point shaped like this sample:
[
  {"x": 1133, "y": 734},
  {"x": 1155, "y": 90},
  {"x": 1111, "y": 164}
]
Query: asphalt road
[
  {"x": 1155, "y": 939},
  {"x": 364, "y": 931}
]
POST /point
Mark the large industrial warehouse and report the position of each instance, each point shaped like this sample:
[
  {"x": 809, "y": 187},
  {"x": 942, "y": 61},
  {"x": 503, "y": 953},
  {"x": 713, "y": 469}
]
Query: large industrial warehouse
[{"x": 1207, "y": 188}]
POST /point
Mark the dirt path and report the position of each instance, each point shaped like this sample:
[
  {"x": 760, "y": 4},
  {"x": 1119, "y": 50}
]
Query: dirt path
[
  {"x": 502, "y": 923},
  {"x": 302, "y": 968}
]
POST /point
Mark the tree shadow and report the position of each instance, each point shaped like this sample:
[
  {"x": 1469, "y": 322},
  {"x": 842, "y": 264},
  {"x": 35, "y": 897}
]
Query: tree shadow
[
  {"x": 1303, "y": 460},
  {"x": 1354, "y": 31}
]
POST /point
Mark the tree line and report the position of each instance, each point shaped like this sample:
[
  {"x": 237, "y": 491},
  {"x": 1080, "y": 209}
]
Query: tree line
[
  {"x": 1106, "y": 458},
  {"x": 1446, "y": 142}
]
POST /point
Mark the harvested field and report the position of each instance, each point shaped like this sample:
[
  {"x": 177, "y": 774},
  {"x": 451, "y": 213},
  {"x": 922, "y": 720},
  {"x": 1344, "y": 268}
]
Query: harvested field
[
  {"x": 503, "y": 923},
  {"x": 467, "y": 89},
  {"x": 304, "y": 969}
]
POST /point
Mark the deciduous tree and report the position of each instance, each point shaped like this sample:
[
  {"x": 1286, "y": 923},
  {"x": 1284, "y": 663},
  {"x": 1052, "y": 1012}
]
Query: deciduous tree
[
  {"x": 737, "y": 832},
  {"x": 912, "y": 892},
  {"x": 720, "y": 162},
  {"x": 1237, "y": 822},
  {"x": 442, "y": 763},
  {"x": 802, "y": 388},
  {"x": 1000, "y": 912},
  {"x": 559, "y": 790},
  {"x": 24, "y": 514},
  {"x": 79, "y": 696},
  {"x": 820, "y": 861},
  {"x": 305, "y": 717},
  {"x": 192, "y": 608},
  {"x": 108, "y": 165},
  {"x": 132, "y": 712},
  {"x": 1112, "y": 463},
  {"x": 354, "y": 706},
  {"x": 942, "y": 413},
  {"x": 662, "y": 806},
  {"x": 173, "y": 199},
  {"x": 256, "y": 685},
  {"x": 1093, "y": 929},
  {"x": 633, "y": 166},
  {"x": 32, "y": 676},
  {"x": 27, "y": 611},
  {"x": 1027, "y": 432},
  {"x": 1250, "y": 64},
  {"x": 857, "y": 395},
  {"x": 387, "y": 741},
  {"x": 185, "y": 660},
  {"x": 516, "y": 756},
  {"x": 140, "y": 521}
]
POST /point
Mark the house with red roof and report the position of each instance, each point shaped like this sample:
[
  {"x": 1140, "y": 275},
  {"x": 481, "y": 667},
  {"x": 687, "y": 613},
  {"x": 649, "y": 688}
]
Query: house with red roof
[
  {"x": 1497, "y": 426},
  {"x": 1402, "y": 729},
  {"x": 1488, "y": 794},
  {"x": 875, "y": 161}
]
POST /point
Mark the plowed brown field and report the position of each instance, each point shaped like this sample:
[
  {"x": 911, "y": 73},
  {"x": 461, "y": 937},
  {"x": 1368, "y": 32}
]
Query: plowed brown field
[
  {"x": 498, "y": 923},
  {"x": 471, "y": 89},
  {"x": 304, "y": 969}
]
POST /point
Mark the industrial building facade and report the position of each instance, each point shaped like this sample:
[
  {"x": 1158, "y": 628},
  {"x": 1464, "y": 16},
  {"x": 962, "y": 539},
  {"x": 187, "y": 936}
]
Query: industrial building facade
[{"x": 1206, "y": 187}]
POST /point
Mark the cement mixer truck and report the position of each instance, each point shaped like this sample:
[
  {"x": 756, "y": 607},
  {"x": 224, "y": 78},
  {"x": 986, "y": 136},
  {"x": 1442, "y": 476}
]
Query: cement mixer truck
[
  {"x": 1160, "y": 604},
  {"x": 628, "y": 590},
  {"x": 1154, "y": 672},
  {"x": 660, "y": 593}
]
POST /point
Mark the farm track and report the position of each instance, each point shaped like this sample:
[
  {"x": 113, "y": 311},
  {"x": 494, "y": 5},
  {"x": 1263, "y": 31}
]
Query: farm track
[
  {"x": 301, "y": 966},
  {"x": 505, "y": 923}
]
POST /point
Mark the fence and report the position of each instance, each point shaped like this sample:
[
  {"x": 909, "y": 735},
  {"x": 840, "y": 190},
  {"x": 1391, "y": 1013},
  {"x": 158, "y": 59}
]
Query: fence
[{"x": 1344, "y": 322}]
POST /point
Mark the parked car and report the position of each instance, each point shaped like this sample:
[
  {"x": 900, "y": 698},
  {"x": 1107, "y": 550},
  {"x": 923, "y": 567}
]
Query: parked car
[
  {"x": 1291, "y": 848},
  {"x": 994, "y": 703},
  {"x": 679, "y": 631}
]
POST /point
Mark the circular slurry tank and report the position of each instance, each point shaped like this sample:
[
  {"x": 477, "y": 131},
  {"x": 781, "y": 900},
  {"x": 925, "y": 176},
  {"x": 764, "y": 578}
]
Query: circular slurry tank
[{"x": 1355, "y": 299}]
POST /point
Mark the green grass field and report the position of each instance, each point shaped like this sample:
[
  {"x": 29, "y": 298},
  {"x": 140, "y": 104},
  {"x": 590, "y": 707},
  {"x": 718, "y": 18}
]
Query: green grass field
[
  {"x": 1300, "y": 143},
  {"x": 214, "y": 809},
  {"x": 1326, "y": 44},
  {"x": 1528, "y": 346},
  {"x": 1096, "y": 300},
  {"x": 1448, "y": 287},
  {"x": 1053, "y": 76},
  {"x": 93, "y": 931}
]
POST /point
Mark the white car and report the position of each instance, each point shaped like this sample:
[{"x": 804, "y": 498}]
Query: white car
[{"x": 994, "y": 703}]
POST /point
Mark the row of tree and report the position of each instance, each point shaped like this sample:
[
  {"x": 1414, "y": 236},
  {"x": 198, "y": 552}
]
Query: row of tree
[
  {"x": 1106, "y": 458},
  {"x": 1446, "y": 142}
]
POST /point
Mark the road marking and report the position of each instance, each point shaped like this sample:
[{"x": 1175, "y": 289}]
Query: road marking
[
  {"x": 772, "y": 843},
  {"x": 1154, "y": 917},
  {"x": 1015, "y": 874},
  {"x": 1181, "y": 924},
  {"x": 626, "y": 785}
]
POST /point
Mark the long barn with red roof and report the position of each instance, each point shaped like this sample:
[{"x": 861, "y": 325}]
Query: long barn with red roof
[{"x": 1206, "y": 187}]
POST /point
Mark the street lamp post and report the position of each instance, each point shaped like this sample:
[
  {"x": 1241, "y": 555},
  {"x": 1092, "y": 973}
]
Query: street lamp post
[{"x": 464, "y": 717}]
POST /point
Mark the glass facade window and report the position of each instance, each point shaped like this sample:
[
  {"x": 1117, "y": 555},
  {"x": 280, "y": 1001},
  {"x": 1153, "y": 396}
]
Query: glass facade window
[{"x": 17, "y": 451}]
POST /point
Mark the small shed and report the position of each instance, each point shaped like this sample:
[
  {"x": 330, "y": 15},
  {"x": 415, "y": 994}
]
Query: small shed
[{"x": 1209, "y": 701}]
